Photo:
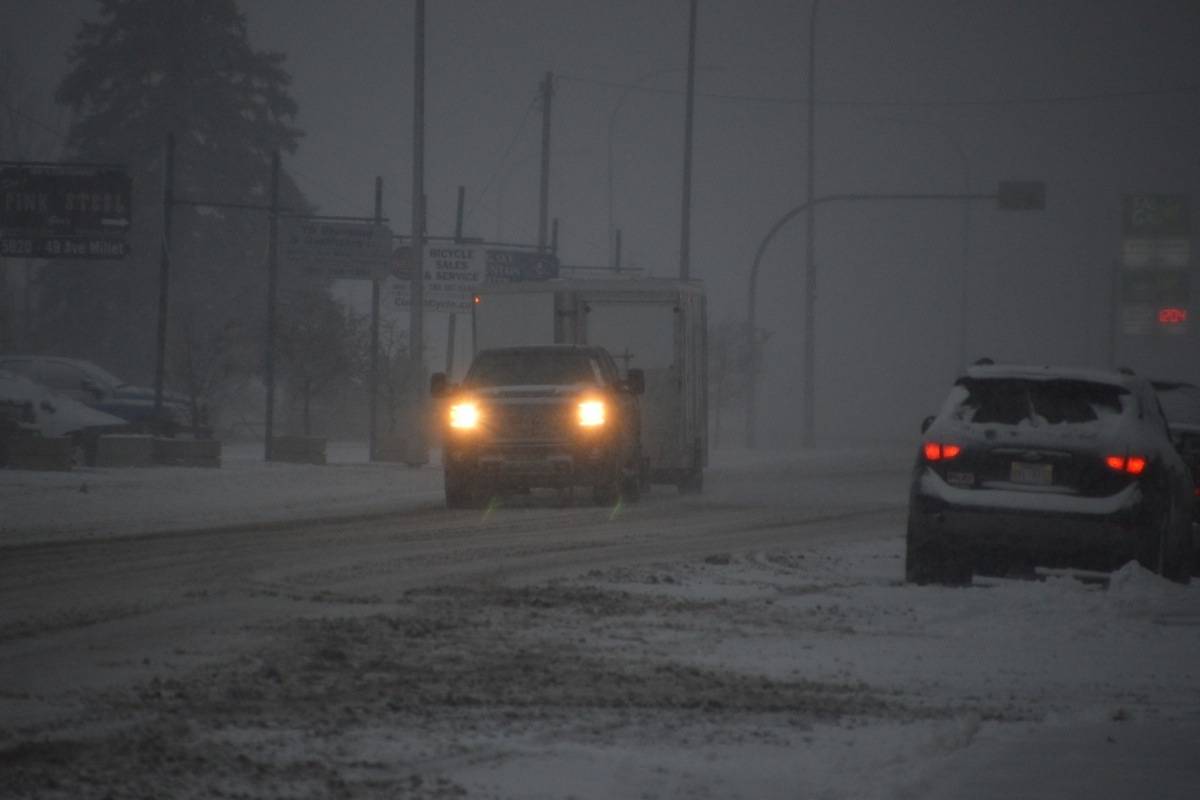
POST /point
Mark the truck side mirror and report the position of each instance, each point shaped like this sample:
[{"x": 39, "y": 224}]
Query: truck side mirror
[
  {"x": 635, "y": 381},
  {"x": 438, "y": 384}
]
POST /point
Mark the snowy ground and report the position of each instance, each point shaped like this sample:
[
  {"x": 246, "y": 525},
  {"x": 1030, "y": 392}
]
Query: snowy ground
[
  {"x": 91, "y": 502},
  {"x": 806, "y": 671}
]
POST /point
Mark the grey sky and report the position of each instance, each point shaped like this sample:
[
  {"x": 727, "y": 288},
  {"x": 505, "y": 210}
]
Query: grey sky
[{"x": 916, "y": 97}]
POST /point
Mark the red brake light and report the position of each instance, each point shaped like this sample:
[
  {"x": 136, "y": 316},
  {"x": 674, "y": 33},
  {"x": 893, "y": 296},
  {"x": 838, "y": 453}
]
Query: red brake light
[
  {"x": 936, "y": 451},
  {"x": 1134, "y": 465}
]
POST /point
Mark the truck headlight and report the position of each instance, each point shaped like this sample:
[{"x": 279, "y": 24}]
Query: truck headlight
[
  {"x": 464, "y": 416},
  {"x": 592, "y": 413}
]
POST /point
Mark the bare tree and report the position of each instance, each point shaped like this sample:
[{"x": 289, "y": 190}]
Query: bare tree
[
  {"x": 734, "y": 358},
  {"x": 319, "y": 343},
  {"x": 210, "y": 363},
  {"x": 396, "y": 374}
]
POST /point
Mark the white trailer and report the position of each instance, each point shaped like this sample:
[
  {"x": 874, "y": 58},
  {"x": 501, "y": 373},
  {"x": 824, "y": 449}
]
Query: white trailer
[{"x": 655, "y": 324}]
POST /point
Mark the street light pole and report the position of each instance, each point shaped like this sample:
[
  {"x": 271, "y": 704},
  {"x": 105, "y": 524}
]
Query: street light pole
[
  {"x": 544, "y": 195},
  {"x": 416, "y": 329},
  {"x": 752, "y": 324},
  {"x": 752, "y": 300},
  {"x": 808, "y": 389},
  {"x": 164, "y": 271},
  {"x": 685, "y": 244}
]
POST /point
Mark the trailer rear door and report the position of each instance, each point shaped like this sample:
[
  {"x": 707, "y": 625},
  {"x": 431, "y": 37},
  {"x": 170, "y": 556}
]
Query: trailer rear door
[
  {"x": 644, "y": 334},
  {"x": 513, "y": 319}
]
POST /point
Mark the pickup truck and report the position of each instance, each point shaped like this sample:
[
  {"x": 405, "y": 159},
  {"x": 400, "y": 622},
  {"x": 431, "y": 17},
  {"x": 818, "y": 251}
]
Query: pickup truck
[
  {"x": 657, "y": 325},
  {"x": 540, "y": 416}
]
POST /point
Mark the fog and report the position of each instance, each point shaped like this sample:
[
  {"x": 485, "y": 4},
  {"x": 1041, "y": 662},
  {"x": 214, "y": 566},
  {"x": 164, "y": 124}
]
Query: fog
[{"x": 1095, "y": 99}]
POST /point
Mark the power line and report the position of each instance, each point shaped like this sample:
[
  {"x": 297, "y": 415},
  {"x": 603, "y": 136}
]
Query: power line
[
  {"x": 504, "y": 158},
  {"x": 916, "y": 103},
  {"x": 291, "y": 170},
  {"x": 62, "y": 137}
]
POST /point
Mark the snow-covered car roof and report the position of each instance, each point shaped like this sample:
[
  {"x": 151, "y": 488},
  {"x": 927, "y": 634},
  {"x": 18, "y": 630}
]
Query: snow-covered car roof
[
  {"x": 1052, "y": 372},
  {"x": 55, "y": 414},
  {"x": 94, "y": 370}
]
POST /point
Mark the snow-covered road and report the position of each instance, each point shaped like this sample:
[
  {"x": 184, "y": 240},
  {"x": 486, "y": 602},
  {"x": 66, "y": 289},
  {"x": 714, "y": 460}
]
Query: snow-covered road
[{"x": 186, "y": 633}]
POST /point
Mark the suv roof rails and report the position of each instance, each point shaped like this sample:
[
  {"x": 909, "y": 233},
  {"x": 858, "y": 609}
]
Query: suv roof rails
[
  {"x": 1126, "y": 371},
  {"x": 983, "y": 362}
]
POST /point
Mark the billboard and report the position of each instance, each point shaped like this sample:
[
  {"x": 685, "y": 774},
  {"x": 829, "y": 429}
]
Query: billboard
[
  {"x": 451, "y": 274},
  {"x": 64, "y": 211},
  {"x": 1156, "y": 256},
  {"x": 326, "y": 249},
  {"x": 453, "y": 271}
]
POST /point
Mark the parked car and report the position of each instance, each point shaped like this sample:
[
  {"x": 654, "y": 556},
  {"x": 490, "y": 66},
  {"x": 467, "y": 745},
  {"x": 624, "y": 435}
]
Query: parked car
[
  {"x": 92, "y": 385},
  {"x": 542, "y": 416},
  {"x": 1181, "y": 405},
  {"x": 29, "y": 409},
  {"x": 1029, "y": 466}
]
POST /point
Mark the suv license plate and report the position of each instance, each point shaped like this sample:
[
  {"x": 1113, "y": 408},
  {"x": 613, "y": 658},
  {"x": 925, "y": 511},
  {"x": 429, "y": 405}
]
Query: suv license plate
[{"x": 1035, "y": 474}]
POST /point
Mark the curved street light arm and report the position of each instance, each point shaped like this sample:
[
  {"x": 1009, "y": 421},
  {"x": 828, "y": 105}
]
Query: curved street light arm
[{"x": 752, "y": 298}]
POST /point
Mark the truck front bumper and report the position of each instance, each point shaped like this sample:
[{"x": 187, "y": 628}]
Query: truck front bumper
[{"x": 529, "y": 466}]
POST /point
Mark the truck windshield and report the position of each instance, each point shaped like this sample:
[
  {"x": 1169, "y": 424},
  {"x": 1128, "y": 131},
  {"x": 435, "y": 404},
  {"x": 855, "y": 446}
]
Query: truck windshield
[{"x": 531, "y": 368}]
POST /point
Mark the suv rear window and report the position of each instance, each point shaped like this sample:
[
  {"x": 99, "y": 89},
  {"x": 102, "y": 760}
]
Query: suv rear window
[
  {"x": 1013, "y": 401},
  {"x": 532, "y": 368}
]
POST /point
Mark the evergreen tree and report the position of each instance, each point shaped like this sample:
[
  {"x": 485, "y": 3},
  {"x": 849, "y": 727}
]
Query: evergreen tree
[{"x": 144, "y": 69}]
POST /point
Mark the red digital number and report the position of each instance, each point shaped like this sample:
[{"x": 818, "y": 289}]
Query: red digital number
[{"x": 1172, "y": 316}]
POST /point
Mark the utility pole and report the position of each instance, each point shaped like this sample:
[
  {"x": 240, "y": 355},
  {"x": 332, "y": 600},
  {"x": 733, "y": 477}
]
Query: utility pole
[
  {"x": 685, "y": 244},
  {"x": 272, "y": 288},
  {"x": 452, "y": 322},
  {"x": 544, "y": 195},
  {"x": 164, "y": 271},
  {"x": 373, "y": 379},
  {"x": 416, "y": 331},
  {"x": 808, "y": 379}
]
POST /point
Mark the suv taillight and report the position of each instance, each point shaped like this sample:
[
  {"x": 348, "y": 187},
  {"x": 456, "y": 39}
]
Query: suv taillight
[
  {"x": 940, "y": 451},
  {"x": 1132, "y": 465}
]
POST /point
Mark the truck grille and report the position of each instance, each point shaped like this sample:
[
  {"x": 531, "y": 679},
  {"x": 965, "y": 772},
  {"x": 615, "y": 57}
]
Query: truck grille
[{"x": 530, "y": 422}]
